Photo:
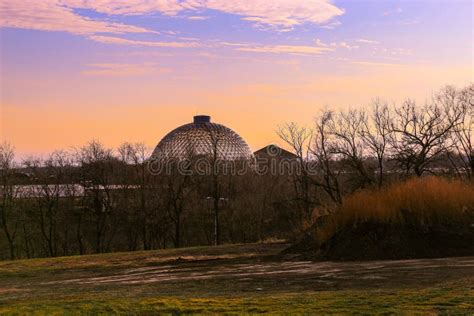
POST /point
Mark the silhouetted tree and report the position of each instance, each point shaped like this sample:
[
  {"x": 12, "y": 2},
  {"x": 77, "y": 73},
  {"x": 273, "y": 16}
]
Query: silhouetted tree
[
  {"x": 420, "y": 134},
  {"x": 346, "y": 128},
  {"x": 97, "y": 166},
  {"x": 9, "y": 192},
  {"x": 376, "y": 133},
  {"x": 460, "y": 110},
  {"x": 299, "y": 138}
]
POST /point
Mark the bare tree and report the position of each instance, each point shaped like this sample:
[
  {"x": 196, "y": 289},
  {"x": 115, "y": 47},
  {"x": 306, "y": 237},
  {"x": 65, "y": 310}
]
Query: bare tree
[
  {"x": 46, "y": 199},
  {"x": 139, "y": 183},
  {"x": 300, "y": 139},
  {"x": 177, "y": 197},
  {"x": 346, "y": 127},
  {"x": 376, "y": 132},
  {"x": 314, "y": 148},
  {"x": 176, "y": 186},
  {"x": 459, "y": 105},
  {"x": 8, "y": 193},
  {"x": 321, "y": 150},
  {"x": 420, "y": 135},
  {"x": 97, "y": 166}
]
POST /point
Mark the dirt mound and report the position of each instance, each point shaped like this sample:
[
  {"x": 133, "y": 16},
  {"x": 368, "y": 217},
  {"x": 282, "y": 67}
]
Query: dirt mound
[{"x": 375, "y": 240}]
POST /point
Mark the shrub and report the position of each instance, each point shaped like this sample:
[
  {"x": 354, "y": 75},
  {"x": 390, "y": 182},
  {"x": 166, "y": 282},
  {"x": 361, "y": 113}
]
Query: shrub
[
  {"x": 419, "y": 204},
  {"x": 421, "y": 201}
]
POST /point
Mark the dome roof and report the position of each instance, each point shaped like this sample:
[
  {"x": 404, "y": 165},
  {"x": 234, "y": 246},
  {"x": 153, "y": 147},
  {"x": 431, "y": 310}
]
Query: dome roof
[{"x": 199, "y": 139}]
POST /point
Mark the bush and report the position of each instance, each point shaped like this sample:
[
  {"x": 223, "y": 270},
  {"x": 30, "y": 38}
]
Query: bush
[
  {"x": 429, "y": 201},
  {"x": 422, "y": 217}
]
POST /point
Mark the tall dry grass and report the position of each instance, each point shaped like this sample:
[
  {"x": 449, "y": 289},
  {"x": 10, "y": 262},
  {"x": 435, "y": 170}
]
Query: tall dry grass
[{"x": 419, "y": 202}]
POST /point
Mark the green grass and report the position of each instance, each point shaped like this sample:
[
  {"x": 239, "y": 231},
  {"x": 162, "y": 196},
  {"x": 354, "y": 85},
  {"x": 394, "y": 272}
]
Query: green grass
[
  {"x": 451, "y": 298},
  {"x": 227, "y": 279}
]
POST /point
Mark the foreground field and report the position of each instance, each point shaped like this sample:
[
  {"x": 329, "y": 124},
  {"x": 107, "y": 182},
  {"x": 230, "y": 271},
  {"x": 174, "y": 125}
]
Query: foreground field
[{"x": 250, "y": 278}]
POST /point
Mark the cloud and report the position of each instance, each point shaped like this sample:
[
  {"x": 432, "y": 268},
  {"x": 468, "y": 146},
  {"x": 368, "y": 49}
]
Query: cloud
[
  {"x": 235, "y": 44},
  {"x": 62, "y": 15},
  {"x": 375, "y": 64},
  {"x": 198, "y": 17},
  {"x": 134, "y": 7},
  {"x": 279, "y": 13},
  {"x": 123, "y": 70},
  {"x": 123, "y": 41},
  {"x": 319, "y": 48},
  {"x": 332, "y": 25},
  {"x": 366, "y": 41},
  {"x": 345, "y": 45},
  {"x": 334, "y": 45},
  {"x": 392, "y": 51},
  {"x": 275, "y": 12},
  {"x": 51, "y": 15},
  {"x": 320, "y": 43},
  {"x": 288, "y": 49}
]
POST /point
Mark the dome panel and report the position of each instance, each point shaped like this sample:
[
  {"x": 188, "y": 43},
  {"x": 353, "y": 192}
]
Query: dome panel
[{"x": 202, "y": 138}]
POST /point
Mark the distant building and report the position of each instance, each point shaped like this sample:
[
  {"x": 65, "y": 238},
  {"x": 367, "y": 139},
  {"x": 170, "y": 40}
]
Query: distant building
[
  {"x": 275, "y": 160},
  {"x": 274, "y": 151}
]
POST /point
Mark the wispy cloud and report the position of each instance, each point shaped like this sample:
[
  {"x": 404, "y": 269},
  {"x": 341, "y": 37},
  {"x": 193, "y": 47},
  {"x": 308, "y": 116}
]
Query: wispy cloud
[
  {"x": 123, "y": 41},
  {"x": 134, "y": 7},
  {"x": 50, "y": 15},
  {"x": 366, "y": 41},
  {"x": 287, "y": 49},
  {"x": 375, "y": 64},
  {"x": 198, "y": 17},
  {"x": 332, "y": 25},
  {"x": 123, "y": 70},
  {"x": 335, "y": 45},
  {"x": 235, "y": 44},
  {"x": 281, "y": 13},
  {"x": 392, "y": 51},
  {"x": 345, "y": 45},
  {"x": 61, "y": 15}
]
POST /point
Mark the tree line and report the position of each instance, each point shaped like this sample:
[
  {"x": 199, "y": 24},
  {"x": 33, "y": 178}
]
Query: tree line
[{"x": 97, "y": 199}]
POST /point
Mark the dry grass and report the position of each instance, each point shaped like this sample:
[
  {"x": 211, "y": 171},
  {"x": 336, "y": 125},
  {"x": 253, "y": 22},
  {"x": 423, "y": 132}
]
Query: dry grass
[
  {"x": 424, "y": 202},
  {"x": 431, "y": 201}
]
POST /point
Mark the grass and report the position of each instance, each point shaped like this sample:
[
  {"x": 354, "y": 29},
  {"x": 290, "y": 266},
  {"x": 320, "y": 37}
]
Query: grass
[
  {"x": 451, "y": 298},
  {"x": 233, "y": 279}
]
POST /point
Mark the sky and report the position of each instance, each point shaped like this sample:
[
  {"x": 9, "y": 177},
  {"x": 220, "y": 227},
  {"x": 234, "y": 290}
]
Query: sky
[{"x": 115, "y": 71}]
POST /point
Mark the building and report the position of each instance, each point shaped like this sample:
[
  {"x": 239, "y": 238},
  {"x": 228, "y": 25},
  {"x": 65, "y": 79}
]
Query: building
[{"x": 202, "y": 138}]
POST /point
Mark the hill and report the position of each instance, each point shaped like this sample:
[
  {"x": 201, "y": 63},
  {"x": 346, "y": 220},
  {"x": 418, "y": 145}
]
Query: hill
[{"x": 246, "y": 278}]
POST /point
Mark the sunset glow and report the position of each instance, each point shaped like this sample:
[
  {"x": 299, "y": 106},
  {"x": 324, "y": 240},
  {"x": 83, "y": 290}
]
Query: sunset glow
[{"x": 73, "y": 71}]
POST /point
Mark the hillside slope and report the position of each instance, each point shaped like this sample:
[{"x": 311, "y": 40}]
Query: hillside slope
[{"x": 247, "y": 278}]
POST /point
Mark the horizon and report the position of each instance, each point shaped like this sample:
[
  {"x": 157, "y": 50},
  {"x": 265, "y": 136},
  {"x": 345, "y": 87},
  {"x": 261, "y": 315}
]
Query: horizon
[{"x": 117, "y": 73}]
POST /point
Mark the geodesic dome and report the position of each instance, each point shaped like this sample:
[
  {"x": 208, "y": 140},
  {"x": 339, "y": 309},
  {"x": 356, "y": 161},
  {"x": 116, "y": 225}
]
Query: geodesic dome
[{"x": 202, "y": 138}]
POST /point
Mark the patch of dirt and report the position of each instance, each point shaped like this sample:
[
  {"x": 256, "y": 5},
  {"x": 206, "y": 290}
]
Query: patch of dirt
[
  {"x": 285, "y": 274},
  {"x": 10, "y": 290},
  {"x": 227, "y": 273}
]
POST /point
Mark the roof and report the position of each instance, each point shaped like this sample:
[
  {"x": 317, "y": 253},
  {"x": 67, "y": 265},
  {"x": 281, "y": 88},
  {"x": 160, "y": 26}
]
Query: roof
[{"x": 273, "y": 150}]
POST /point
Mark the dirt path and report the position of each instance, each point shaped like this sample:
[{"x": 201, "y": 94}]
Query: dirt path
[
  {"x": 283, "y": 274},
  {"x": 228, "y": 270}
]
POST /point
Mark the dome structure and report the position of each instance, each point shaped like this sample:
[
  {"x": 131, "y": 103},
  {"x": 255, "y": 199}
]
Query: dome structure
[{"x": 202, "y": 138}]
